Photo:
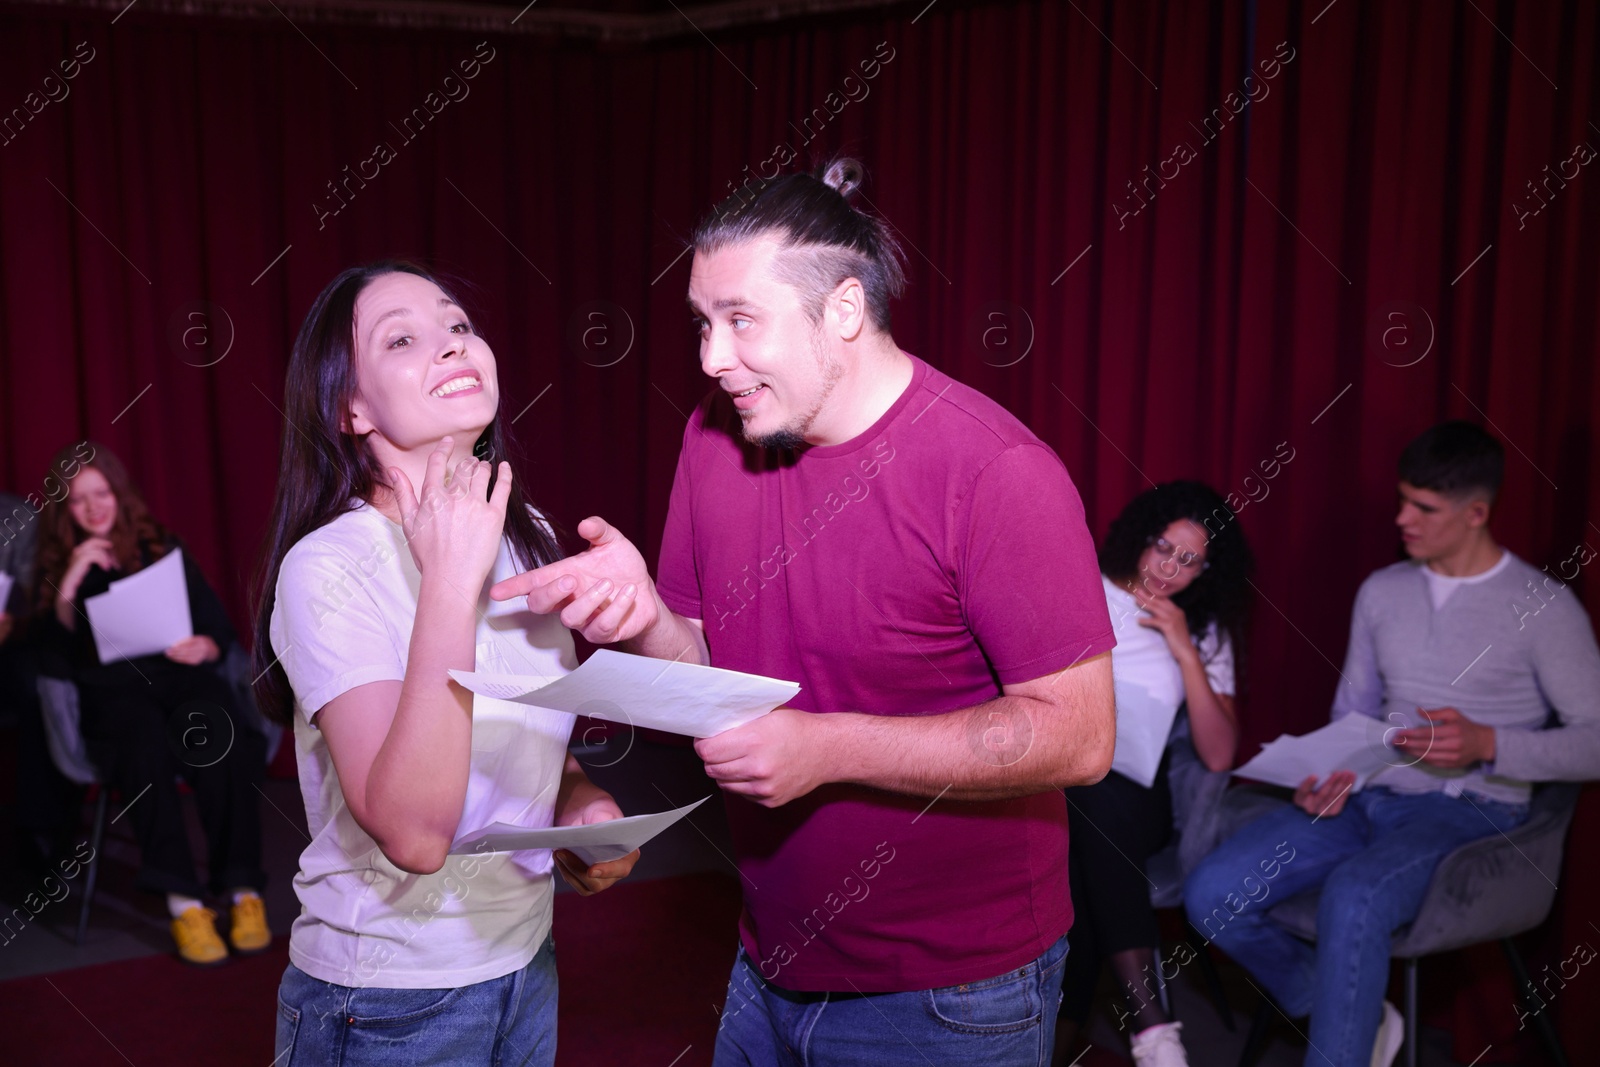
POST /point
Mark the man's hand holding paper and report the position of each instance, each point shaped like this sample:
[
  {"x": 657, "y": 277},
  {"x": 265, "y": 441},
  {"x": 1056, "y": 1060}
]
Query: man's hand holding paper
[
  {"x": 1327, "y": 798},
  {"x": 771, "y": 760},
  {"x": 1448, "y": 739}
]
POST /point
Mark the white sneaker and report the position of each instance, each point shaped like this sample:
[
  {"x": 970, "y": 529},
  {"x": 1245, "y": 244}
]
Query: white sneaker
[
  {"x": 1159, "y": 1046},
  {"x": 1391, "y": 1033}
]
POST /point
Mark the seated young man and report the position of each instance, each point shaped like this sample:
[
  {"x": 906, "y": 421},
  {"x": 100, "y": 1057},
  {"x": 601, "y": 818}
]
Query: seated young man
[{"x": 1454, "y": 643}]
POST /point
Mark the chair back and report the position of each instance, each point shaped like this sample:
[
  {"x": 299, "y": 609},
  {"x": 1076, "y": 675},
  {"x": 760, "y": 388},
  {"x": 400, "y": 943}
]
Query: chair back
[{"x": 58, "y": 703}]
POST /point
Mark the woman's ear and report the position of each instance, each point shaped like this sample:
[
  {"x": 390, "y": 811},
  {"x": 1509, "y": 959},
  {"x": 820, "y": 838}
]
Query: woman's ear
[{"x": 355, "y": 421}]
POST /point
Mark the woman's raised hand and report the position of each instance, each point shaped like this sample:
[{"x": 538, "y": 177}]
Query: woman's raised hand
[
  {"x": 1167, "y": 618},
  {"x": 454, "y": 531},
  {"x": 89, "y": 552}
]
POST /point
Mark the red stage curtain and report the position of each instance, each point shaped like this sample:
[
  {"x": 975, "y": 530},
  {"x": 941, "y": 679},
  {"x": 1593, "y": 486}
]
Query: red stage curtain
[{"x": 1161, "y": 279}]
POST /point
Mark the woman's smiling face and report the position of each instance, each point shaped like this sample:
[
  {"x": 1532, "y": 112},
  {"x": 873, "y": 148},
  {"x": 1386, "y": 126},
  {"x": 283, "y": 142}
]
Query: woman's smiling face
[
  {"x": 92, "y": 503},
  {"x": 421, "y": 371}
]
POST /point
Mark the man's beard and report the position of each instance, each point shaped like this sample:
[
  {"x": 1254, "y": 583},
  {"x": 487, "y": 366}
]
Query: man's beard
[{"x": 792, "y": 436}]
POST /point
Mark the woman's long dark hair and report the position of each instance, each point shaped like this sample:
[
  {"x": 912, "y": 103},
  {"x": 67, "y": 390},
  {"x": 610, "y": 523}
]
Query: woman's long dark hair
[
  {"x": 134, "y": 531},
  {"x": 1221, "y": 594},
  {"x": 325, "y": 471}
]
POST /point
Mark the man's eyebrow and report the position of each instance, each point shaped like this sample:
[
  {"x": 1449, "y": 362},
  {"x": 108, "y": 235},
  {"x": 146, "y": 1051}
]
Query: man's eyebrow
[
  {"x": 727, "y": 303},
  {"x": 1416, "y": 503}
]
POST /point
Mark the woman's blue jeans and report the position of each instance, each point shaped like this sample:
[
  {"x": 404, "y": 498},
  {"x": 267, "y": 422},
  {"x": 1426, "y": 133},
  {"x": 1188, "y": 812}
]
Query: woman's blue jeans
[{"x": 504, "y": 1021}]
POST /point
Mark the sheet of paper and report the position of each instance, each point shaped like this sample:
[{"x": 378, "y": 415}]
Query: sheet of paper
[
  {"x": 142, "y": 614},
  {"x": 1354, "y": 743},
  {"x": 593, "y": 843},
  {"x": 1143, "y": 726},
  {"x": 6, "y": 581},
  {"x": 666, "y": 695}
]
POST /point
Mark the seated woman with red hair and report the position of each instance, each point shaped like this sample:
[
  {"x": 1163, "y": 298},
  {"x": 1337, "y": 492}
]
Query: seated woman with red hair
[{"x": 149, "y": 720}]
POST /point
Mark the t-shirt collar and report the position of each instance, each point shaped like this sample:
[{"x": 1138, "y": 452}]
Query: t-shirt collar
[{"x": 919, "y": 376}]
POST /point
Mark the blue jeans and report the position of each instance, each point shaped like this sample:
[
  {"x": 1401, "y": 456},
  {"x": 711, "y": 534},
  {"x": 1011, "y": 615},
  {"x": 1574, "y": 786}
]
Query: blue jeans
[
  {"x": 1373, "y": 862},
  {"x": 1008, "y": 1021},
  {"x": 507, "y": 1020}
]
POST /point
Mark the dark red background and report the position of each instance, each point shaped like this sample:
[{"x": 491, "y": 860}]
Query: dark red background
[{"x": 1190, "y": 340}]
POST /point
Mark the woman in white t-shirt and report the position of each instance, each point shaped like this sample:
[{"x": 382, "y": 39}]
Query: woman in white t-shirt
[
  {"x": 390, "y": 525},
  {"x": 1175, "y": 567}
]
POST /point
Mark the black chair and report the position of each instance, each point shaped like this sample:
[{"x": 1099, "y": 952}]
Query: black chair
[{"x": 58, "y": 704}]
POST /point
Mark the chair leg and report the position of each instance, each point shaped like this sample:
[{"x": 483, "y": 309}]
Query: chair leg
[
  {"x": 1535, "y": 1006},
  {"x": 1213, "y": 981},
  {"x": 96, "y": 842},
  {"x": 1413, "y": 1052},
  {"x": 1163, "y": 994},
  {"x": 1256, "y": 1041}
]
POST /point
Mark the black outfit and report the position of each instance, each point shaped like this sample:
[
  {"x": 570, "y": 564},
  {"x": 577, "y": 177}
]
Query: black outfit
[
  {"x": 148, "y": 721},
  {"x": 46, "y": 805},
  {"x": 1112, "y": 825}
]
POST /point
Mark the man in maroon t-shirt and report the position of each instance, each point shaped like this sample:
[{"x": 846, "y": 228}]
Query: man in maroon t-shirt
[{"x": 849, "y": 518}]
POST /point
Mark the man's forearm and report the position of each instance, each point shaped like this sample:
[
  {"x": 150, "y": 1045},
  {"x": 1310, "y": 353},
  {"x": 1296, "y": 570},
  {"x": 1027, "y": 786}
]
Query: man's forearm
[{"x": 1011, "y": 746}]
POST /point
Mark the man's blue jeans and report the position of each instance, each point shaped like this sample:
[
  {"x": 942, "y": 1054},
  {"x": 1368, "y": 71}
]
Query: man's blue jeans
[
  {"x": 504, "y": 1021},
  {"x": 1006, "y": 1021},
  {"x": 1373, "y": 862}
]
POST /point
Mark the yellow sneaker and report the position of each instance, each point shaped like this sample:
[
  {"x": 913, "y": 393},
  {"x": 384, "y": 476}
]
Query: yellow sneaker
[
  {"x": 247, "y": 930},
  {"x": 195, "y": 931}
]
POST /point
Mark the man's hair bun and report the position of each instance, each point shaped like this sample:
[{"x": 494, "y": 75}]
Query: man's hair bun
[{"x": 843, "y": 175}]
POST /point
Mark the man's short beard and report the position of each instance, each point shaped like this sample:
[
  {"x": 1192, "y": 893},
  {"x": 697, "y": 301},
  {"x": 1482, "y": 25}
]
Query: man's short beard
[
  {"x": 793, "y": 436},
  {"x": 787, "y": 439}
]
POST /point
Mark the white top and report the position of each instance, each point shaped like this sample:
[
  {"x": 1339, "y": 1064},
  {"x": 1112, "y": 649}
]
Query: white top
[
  {"x": 346, "y": 600},
  {"x": 1440, "y": 586},
  {"x": 1142, "y": 658}
]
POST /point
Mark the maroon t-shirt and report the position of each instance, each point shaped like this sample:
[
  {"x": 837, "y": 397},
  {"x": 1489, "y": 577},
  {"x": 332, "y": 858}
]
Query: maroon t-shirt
[{"x": 911, "y": 571}]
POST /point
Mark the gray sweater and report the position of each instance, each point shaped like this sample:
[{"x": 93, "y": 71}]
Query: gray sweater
[{"x": 1504, "y": 652}]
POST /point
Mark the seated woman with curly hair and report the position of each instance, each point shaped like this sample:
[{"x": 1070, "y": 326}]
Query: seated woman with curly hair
[{"x": 1178, "y": 595}]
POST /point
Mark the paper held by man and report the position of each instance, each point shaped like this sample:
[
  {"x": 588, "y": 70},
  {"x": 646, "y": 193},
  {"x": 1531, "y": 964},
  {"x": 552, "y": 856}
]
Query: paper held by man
[
  {"x": 666, "y": 695},
  {"x": 1354, "y": 743}
]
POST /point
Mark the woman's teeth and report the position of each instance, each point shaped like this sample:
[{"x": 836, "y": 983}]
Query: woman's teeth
[{"x": 455, "y": 385}]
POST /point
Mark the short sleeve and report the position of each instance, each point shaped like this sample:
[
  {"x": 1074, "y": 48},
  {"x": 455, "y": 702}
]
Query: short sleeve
[
  {"x": 327, "y": 630},
  {"x": 677, "y": 576},
  {"x": 1216, "y": 652},
  {"x": 1028, "y": 578}
]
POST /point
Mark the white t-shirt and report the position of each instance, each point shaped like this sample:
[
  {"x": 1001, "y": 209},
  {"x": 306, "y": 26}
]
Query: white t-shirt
[
  {"x": 346, "y": 601},
  {"x": 1440, "y": 586},
  {"x": 1142, "y": 658}
]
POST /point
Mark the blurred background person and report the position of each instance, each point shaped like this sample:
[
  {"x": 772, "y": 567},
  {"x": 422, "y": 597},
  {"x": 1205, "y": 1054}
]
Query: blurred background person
[
  {"x": 46, "y": 802},
  {"x": 99, "y": 532},
  {"x": 1178, "y": 597}
]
